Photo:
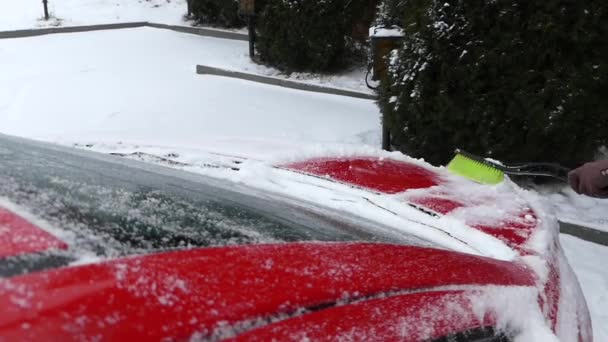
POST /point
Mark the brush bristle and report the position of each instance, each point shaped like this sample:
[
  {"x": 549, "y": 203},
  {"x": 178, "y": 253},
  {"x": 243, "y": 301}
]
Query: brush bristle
[{"x": 475, "y": 170}]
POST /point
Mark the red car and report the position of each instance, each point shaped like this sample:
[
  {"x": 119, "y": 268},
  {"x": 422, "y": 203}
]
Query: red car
[{"x": 94, "y": 247}]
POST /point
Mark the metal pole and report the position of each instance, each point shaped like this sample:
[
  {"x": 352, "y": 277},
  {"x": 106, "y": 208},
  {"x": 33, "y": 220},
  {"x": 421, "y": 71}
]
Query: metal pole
[
  {"x": 251, "y": 29},
  {"x": 386, "y": 136},
  {"x": 46, "y": 9}
]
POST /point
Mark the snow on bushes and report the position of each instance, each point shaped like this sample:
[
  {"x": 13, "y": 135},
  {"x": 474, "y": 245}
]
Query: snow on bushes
[
  {"x": 515, "y": 80},
  {"x": 392, "y": 12}
]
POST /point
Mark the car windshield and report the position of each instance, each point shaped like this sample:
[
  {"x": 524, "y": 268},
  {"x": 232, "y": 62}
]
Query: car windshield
[{"x": 108, "y": 207}]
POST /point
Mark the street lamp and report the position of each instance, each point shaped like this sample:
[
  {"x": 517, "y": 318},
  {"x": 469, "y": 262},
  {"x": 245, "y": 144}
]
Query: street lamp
[{"x": 247, "y": 9}]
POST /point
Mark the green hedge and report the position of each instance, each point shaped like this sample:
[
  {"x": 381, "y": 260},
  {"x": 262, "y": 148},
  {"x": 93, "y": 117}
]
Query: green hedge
[
  {"x": 392, "y": 12},
  {"x": 305, "y": 35},
  {"x": 515, "y": 80},
  {"x": 222, "y": 13},
  {"x": 363, "y": 14}
]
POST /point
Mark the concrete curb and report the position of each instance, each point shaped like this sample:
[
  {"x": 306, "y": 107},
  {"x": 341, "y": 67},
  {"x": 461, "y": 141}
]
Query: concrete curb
[
  {"x": 206, "y": 32},
  {"x": 206, "y": 70},
  {"x": 70, "y": 29},
  {"x": 201, "y": 31},
  {"x": 588, "y": 234}
]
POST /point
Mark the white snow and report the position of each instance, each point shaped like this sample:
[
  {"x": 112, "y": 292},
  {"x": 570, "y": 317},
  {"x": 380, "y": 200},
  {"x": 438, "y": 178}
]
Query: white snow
[
  {"x": 516, "y": 309},
  {"x": 26, "y": 14},
  {"x": 393, "y": 31},
  {"x": 587, "y": 260},
  {"x": 578, "y": 209},
  {"x": 136, "y": 91},
  {"x": 139, "y": 86}
]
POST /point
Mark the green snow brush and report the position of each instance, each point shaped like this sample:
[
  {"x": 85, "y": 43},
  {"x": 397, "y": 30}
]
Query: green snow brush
[{"x": 485, "y": 171}]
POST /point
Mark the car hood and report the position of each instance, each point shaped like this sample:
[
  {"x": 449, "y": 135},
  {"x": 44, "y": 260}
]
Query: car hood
[{"x": 240, "y": 289}]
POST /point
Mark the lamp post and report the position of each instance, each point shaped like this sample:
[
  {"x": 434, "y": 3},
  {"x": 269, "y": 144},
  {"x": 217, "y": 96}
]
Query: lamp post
[
  {"x": 189, "y": 8},
  {"x": 45, "y": 3},
  {"x": 247, "y": 9},
  {"x": 384, "y": 40}
]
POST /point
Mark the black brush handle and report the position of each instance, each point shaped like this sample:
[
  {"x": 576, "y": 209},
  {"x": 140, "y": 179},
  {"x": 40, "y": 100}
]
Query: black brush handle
[
  {"x": 540, "y": 169},
  {"x": 552, "y": 170}
]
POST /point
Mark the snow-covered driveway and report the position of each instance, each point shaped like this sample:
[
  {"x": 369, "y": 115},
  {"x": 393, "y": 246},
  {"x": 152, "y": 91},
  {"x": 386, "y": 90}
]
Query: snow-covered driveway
[{"x": 139, "y": 86}]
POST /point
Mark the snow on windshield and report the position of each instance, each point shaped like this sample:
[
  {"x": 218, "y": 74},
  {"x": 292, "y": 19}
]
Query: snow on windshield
[
  {"x": 105, "y": 207},
  {"x": 112, "y": 222}
]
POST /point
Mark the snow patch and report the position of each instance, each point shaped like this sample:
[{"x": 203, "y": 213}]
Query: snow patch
[{"x": 516, "y": 309}]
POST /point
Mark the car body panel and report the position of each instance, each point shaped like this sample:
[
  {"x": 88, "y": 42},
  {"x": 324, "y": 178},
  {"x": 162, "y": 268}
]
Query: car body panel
[
  {"x": 399, "y": 318},
  {"x": 392, "y": 177},
  {"x": 18, "y": 236},
  {"x": 441, "y": 197},
  {"x": 258, "y": 289},
  {"x": 382, "y": 175},
  {"x": 177, "y": 294}
]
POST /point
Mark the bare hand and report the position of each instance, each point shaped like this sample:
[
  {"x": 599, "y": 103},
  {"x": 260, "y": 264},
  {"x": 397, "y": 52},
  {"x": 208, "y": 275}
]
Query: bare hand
[{"x": 591, "y": 179}]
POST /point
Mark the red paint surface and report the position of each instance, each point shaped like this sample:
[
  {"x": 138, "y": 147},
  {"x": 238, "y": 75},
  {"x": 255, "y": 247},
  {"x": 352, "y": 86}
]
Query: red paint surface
[
  {"x": 179, "y": 293},
  {"x": 399, "y": 177},
  {"x": 390, "y": 177},
  {"x": 552, "y": 292},
  {"x": 18, "y": 236},
  {"x": 387, "y": 176},
  {"x": 440, "y": 205},
  {"x": 514, "y": 232},
  {"x": 400, "y": 318}
]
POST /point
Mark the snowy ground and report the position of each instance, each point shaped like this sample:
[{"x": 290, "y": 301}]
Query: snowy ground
[
  {"x": 26, "y": 14},
  {"x": 587, "y": 261},
  {"x": 573, "y": 208},
  {"x": 139, "y": 87},
  {"x": 136, "y": 90}
]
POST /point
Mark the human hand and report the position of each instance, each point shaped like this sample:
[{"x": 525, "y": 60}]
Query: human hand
[{"x": 591, "y": 179}]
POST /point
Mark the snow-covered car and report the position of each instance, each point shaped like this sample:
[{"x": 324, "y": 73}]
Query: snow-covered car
[{"x": 95, "y": 247}]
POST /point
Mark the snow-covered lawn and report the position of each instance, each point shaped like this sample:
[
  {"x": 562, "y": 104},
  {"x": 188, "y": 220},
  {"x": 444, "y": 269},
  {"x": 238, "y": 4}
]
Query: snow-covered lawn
[
  {"x": 136, "y": 91},
  {"x": 26, "y": 14},
  {"x": 139, "y": 87}
]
